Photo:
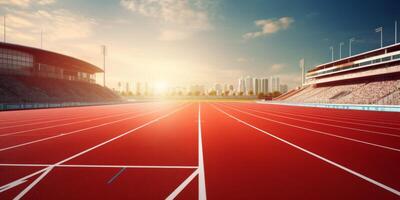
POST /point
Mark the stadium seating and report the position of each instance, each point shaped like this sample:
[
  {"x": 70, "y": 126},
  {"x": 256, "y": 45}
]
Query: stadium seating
[
  {"x": 380, "y": 91},
  {"x": 24, "y": 89}
]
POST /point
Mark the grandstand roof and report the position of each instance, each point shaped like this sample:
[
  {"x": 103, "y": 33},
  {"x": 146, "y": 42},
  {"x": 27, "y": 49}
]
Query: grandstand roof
[
  {"x": 387, "y": 49},
  {"x": 53, "y": 58}
]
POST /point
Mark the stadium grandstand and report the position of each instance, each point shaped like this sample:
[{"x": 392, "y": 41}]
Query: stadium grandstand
[
  {"x": 372, "y": 77},
  {"x": 31, "y": 75}
]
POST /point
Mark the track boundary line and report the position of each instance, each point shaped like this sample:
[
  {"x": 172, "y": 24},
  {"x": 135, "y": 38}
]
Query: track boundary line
[
  {"x": 201, "y": 174},
  {"x": 317, "y": 131},
  {"x": 46, "y": 170},
  {"x": 370, "y": 180},
  {"x": 200, "y": 168}
]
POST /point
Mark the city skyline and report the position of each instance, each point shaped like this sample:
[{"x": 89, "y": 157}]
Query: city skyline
[{"x": 198, "y": 41}]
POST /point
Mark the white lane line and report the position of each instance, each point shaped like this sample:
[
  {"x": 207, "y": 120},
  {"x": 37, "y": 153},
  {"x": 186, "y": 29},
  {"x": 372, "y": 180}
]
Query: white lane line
[
  {"x": 15, "y": 183},
  {"x": 392, "y": 190},
  {"x": 80, "y": 114},
  {"x": 43, "y": 122},
  {"x": 66, "y": 124},
  {"x": 182, "y": 186},
  {"x": 76, "y": 131},
  {"x": 49, "y": 168},
  {"x": 202, "y": 181},
  {"x": 327, "y": 119},
  {"x": 101, "y": 166},
  {"x": 316, "y": 131},
  {"x": 325, "y": 124},
  {"x": 30, "y": 186},
  {"x": 20, "y": 180}
]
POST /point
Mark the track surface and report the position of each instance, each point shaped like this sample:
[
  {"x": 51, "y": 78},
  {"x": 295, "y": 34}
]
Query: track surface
[{"x": 191, "y": 150}]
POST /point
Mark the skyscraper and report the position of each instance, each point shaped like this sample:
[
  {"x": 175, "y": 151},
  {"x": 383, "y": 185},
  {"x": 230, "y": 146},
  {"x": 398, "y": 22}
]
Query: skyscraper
[
  {"x": 241, "y": 85},
  {"x": 249, "y": 85},
  {"x": 256, "y": 86},
  {"x": 264, "y": 85}
]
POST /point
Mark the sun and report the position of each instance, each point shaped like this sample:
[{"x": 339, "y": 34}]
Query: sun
[{"x": 161, "y": 87}]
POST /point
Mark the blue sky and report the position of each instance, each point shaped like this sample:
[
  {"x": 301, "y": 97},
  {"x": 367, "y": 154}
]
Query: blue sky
[{"x": 201, "y": 41}]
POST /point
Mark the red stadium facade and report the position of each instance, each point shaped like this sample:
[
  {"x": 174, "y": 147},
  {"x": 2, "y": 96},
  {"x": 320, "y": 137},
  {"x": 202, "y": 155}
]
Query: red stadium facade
[
  {"x": 383, "y": 61},
  {"x": 372, "y": 77},
  {"x": 35, "y": 76},
  {"x": 22, "y": 60}
]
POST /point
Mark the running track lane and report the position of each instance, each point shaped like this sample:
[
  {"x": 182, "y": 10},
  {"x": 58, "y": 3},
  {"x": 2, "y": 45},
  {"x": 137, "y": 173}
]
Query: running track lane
[
  {"x": 51, "y": 151},
  {"x": 101, "y": 119},
  {"x": 144, "y": 177},
  {"x": 317, "y": 181},
  {"x": 366, "y": 159},
  {"x": 240, "y": 163},
  {"x": 170, "y": 142}
]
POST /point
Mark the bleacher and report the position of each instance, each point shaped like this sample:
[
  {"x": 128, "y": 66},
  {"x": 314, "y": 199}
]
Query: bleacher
[
  {"x": 384, "y": 91},
  {"x": 25, "y": 89}
]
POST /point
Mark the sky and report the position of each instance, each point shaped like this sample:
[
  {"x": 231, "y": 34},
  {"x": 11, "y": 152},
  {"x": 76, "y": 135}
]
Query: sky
[{"x": 184, "y": 42}]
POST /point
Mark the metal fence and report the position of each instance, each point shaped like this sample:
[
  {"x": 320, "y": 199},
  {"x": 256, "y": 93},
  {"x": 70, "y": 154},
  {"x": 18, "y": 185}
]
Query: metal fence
[{"x": 23, "y": 106}]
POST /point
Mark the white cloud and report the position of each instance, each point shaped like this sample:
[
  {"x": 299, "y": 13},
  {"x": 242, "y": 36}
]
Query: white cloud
[
  {"x": 25, "y": 3},
  {"x": 57, "y": 25},
  {"x": 172, "y": 35},
  {"x": 269, "y": 26},
  {"x": 241, "y": 60},
  {"x": 46, "y": 2},
  {"x": 185, "y": 17}
]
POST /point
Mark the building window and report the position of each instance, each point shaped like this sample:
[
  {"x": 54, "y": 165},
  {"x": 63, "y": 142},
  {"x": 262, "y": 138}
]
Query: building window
[{"x": 12, "y": 59}]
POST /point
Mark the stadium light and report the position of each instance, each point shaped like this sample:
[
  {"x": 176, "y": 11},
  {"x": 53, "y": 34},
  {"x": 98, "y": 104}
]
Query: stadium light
[
  {"x": 302, "y": 67},
  {"x": 350, "y": 41},
  {"x": 395, "y": 32},
  {"x": 377, "y": 30},
  {"x": 104, "y": 52},
  {"x": 340, "y": 50},
  {"x": 331, "y": 48},
  {"x": 41, "y": 39},
  {"x": 4, "y": 27}
]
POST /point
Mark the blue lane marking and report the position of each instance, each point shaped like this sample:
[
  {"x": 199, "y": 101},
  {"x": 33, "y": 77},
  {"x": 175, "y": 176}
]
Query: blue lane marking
[{"x": 116, "y": 175}]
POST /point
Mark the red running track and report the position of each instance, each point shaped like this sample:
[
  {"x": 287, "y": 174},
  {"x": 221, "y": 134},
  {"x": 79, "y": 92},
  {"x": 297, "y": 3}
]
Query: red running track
[{"x": 191, "y": 150}]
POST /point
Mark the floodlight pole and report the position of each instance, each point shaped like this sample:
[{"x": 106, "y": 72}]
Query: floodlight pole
[
  {"x": 302, "y": 66},
  {"x": 4, "y": 24},
  {"x": 340, "y": 50},
  {"x": 104, "y": 49},
  {"x": 395, "y": 32},
  {"x": 380, "y": 29},
  {"x": 350, "y": 41},
  {"x": 331, "y": 48},
  {"x": 41, "y": 39}
]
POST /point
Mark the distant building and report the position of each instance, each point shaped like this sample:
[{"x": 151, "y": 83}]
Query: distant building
[
  {"x": 275, "y": 83},
  {"x": 256, "y": 86},
  {"x": 264, "y": 85},
  {"x": 138, "y": 88},
  {"x": 241, "y": 85},
  {"x": 218, "y": 89},
  {"x": 249, "y": 85}
]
